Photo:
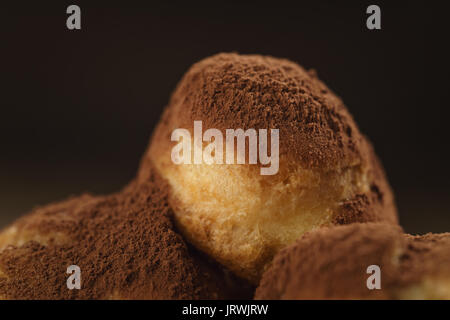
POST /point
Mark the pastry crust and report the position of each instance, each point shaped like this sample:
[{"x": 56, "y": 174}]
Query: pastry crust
[{"x": 328, "y": 173}]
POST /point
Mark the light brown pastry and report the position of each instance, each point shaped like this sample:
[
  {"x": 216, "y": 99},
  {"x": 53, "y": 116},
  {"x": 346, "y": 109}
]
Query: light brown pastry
[
  {"x": 332, "y": 263},
  {"x": 328, "y": 173}
]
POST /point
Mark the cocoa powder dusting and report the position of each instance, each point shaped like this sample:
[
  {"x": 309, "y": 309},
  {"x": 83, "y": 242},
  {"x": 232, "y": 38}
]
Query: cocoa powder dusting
[
  {"x": 331, "y": 263},
  {"x": 229, "y": 90},
  {"x": 125, "y": 245}
]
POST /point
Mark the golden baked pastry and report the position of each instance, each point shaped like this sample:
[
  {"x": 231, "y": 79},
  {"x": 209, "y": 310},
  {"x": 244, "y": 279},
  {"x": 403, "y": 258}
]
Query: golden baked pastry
[{"x": 328, "y": 173}]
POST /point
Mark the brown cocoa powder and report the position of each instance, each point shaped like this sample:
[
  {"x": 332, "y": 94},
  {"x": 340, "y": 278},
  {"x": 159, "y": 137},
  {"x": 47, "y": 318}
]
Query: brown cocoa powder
[
  {"x": 229, "y": 90},
  {"x": 126, "y": 243},
  {"x": 126, "y": 246},
  {"x": 331, "y": 263}
]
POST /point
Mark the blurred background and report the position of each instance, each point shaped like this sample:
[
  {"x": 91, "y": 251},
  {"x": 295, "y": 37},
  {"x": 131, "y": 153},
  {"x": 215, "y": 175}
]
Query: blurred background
[{"x": 78, "y": 107}]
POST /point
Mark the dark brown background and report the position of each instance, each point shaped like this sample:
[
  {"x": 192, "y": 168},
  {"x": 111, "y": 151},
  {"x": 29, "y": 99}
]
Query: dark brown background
[{"x": 77, "y": 107}]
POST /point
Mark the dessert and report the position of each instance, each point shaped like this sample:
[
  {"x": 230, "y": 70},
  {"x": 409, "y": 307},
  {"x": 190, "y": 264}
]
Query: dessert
[
  {"x": 331, "y": 263},
  {"x": 328, "y": 173},
  {"x": 125, "y": 245},
  {"x": 321, "y": 206}
]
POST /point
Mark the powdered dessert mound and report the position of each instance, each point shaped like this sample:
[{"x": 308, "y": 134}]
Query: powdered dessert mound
[
  {"x": 331, "y": 263},
  {"x": 125, "y": 245},
  {"x": 328, "y": 173}
]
